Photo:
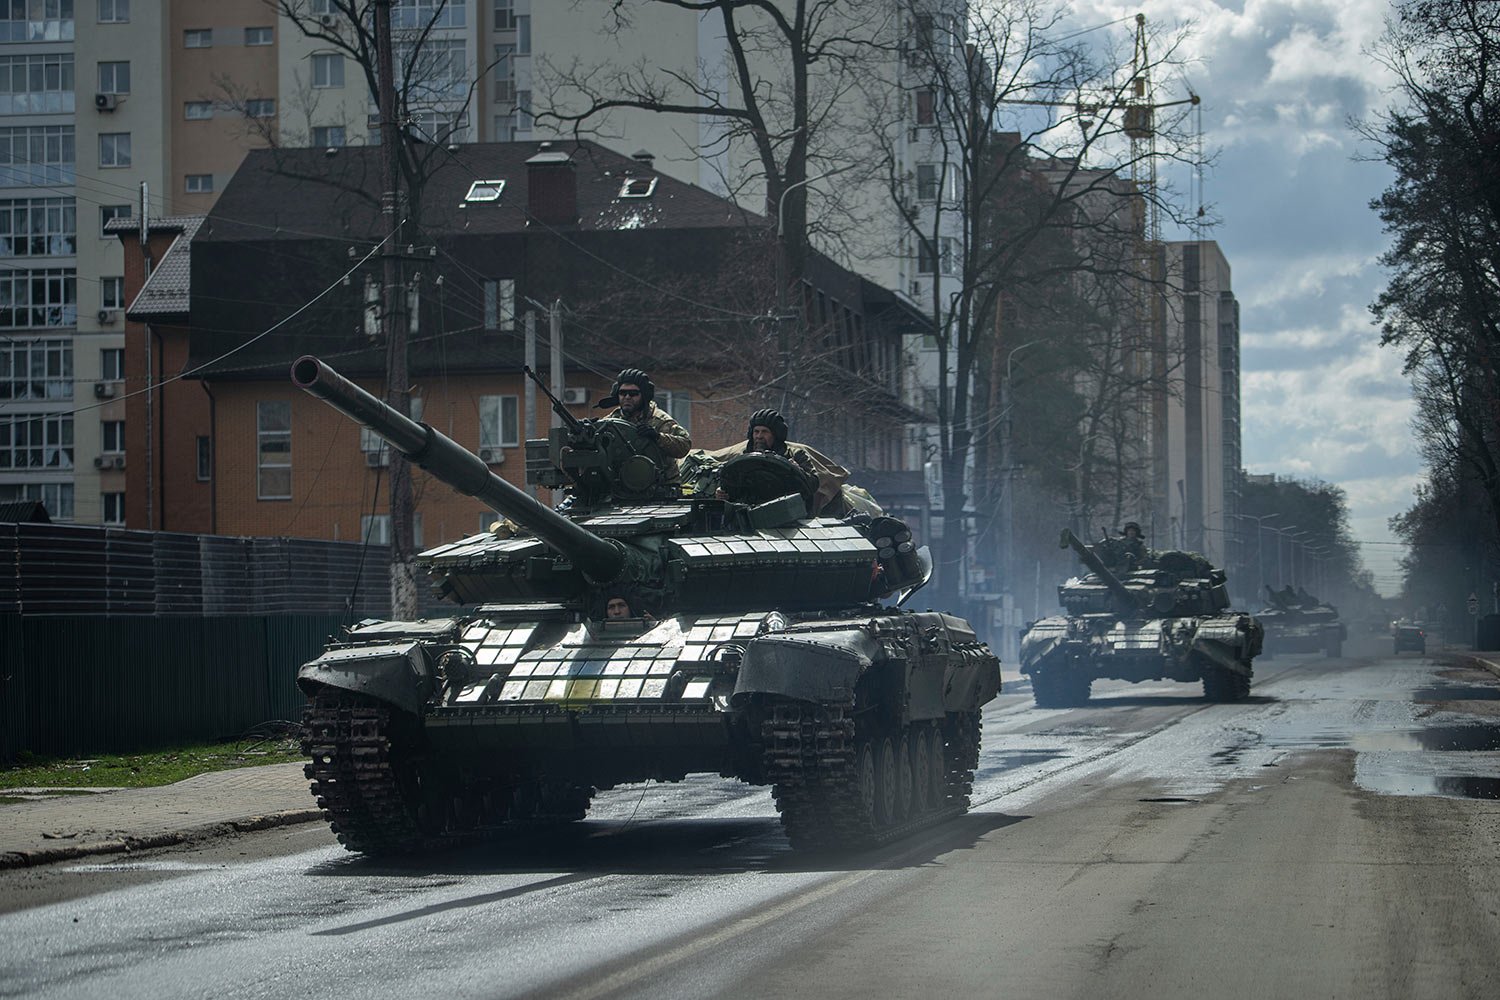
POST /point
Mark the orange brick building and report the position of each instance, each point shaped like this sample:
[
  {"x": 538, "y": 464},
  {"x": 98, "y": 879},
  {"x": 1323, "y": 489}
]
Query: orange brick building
[{"x": 220, "y": 306}]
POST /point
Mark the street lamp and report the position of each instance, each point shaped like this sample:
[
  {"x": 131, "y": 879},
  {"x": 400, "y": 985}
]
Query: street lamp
[
  {"x": 1260, "y": 548},
  {"x": 1299, "y": 565}
]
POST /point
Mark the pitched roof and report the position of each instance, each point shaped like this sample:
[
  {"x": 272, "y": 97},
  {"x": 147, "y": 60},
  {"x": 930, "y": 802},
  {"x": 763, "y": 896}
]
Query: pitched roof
[{"x": 294, "y": 194}]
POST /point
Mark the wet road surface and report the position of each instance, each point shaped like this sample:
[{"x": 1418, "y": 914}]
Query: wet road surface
[{"x": 1336, "y": 835}]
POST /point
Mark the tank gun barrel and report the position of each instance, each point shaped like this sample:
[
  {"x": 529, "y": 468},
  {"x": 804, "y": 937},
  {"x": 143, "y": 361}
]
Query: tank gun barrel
[
  {"x": 599, "y": 558},
  {"x": 1097, "y": 567}
]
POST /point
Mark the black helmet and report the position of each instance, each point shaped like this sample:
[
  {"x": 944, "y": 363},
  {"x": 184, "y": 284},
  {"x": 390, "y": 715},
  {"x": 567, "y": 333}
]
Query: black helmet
[
  {"x": 772, "y": 421},
  {"x": 1132, "y": 524},
  {"x": 629, "y": 376}
]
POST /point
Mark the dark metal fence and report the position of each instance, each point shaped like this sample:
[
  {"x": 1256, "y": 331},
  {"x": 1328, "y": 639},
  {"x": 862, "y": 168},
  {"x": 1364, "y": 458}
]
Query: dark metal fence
[
  {"x": 115, "y": 640},
  {"x": 73, "y": 569},
  {"x": 90, "y": 684}
]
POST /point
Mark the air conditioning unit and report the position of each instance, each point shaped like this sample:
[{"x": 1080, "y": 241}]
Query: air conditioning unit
[
  {"x": 106, "y": 102},
  {"x": 492, "y": 456},
  {"x": 118, "y": 461},
  {"x": 327, "y": 20},
  {"x": 104, "y": 390},
  {"x": 106, "y": 316},
  {"x": 575, "y": 397},
  {"x": 101, "y": 461},
  {"x": 377, "y": 459}
]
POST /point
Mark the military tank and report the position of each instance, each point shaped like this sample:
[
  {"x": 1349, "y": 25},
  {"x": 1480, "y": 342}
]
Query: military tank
[
  {"x": 756, "y": 646},
  {"x": 1164, "y": 618},
  {"x": 1297, "y": 622}
]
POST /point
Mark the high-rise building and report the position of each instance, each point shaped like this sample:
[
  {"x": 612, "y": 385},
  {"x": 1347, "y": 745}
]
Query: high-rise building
[{"x": 1198, "y": 442}]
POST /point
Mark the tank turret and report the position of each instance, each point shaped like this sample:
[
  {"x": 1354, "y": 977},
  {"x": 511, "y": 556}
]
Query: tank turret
[
  {"x": 642, "y": 632},
  {"x": 1128, "y": 601}
]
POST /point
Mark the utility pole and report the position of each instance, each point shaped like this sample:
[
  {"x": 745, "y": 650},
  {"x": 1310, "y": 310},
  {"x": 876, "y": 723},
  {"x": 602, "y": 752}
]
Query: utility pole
[{"x": 394, "y": 324}]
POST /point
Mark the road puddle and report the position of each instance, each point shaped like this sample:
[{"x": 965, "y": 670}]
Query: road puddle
[
  {"x": 1475, "y": 738},
  {"x": 1461, "y": 786}
]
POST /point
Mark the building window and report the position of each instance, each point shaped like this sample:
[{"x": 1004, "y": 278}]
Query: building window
[
  {"x": 36, "y": 84},
  {"x": 927, "y": 107},
  {"x": 421, "y": 13},
  {"x": 930, "y": 259},
  {"x": 197, "y": 111},
  {"x": 198, "y": 38},
  {"x": 36, "y": 441},
  {"x": 259, "y": 36},
  {"x": 500, "y": 304},
  {"x": 200, "y": 183},
  {"x": 375, "y": 529},
  {"x": 678, "y": 404},
  {"x": 377, "y": 451},
  {"x": 523, "y": 34},
  {"x": 111, "y": 293},
  {"x": 113, "y": 507},
  {"x": 37, "y": 21},
  {"x": 114, "y": 11},
  {"x": 319, "y": 7},
  {"x": 273, "y": 445},
  {"x": 929, "y": 181},
  {"x": 505, "y": 128},
  {"x": 327, "y": 69},
  {"x": 36, "y": 369},
  {"x": 39, "y": 297},
  {"x": 260, "y": 107},
  {"x": 114, "y": 149},
  {"x": 112, "y": 436},
  {"x": 205, "y": 458},
  {"x": 523, "y": 111},
  {"x": 56, "y": 497},
  {"x": 38, "y": 227},
  {"x": 111, "y": 363},
  {"x": 505, "y": 15},
  {"x": 328, "y": 136},
  {"x": 504, "y": 72},
  {"x": 499, "y": 422},
  {"x": 36, "y": 155},
  {"x": 107, "y": 212},
  {"x": 114, "y": 78}
]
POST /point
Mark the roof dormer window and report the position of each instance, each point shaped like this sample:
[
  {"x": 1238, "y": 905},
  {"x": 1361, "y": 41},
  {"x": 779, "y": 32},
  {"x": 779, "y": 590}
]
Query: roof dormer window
[
  {"x": 638, "y": 187},
  {"x": 484, "y": 191}
]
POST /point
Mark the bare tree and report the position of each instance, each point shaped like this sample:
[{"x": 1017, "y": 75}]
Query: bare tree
[{"x": 1067, "y": 193}]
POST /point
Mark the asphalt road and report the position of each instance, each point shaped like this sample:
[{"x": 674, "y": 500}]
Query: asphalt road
[{"x": 1338, "y": 835}]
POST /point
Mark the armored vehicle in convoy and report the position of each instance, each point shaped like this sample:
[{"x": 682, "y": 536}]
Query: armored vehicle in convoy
[
  {"x": 1161, "y": 617},
  {"x": 1297, "y": 622},
  {"x": 753, "y": 644}
]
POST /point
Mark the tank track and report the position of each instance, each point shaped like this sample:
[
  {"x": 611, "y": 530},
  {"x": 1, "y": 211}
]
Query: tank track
[
  {"x": 366, "y": 778},
  {"x": 811, "y": 755},
  {"x": 348, "y": 744}
]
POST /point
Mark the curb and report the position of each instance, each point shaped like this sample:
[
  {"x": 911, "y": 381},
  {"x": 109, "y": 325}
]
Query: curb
[
  {"x": 1477, "y": 662},
  {"x": 187, "y": 835}
]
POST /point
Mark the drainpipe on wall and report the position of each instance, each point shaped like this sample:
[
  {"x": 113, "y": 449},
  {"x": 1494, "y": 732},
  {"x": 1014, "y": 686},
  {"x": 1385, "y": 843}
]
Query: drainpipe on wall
[{"x": 213, "y": 459}]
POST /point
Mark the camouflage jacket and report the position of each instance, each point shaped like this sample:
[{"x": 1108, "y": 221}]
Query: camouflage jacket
[{"x": 671, "y": 438}]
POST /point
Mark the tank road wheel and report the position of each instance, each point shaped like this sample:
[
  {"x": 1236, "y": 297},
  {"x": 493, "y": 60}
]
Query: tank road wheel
[
  {"x": 867, "y": 784},
  {"x": 921, "y": 770},
  {"x": 888, "y": 810},
  {"x": 937, "y": 781},
  {"x": 906, "y": 782}
]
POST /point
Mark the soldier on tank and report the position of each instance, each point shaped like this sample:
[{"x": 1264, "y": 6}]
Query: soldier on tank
[
  {"x": 767, "y": 431},
  {"x": 633, "y": 400}
]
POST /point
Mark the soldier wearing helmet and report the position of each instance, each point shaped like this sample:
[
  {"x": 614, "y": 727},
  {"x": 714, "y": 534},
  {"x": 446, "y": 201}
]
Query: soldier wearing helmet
[
  {"x": 767, "y": 430},
  {"x": 632, "y": 399}
]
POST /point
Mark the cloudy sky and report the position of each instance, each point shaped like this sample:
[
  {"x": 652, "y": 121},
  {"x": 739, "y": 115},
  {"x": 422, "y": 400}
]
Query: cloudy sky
[{"x": 1279, "y": 81}]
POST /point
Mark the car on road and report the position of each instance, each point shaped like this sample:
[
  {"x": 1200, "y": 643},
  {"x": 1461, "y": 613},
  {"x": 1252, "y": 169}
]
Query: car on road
[{"x": 1412, "y": 637}]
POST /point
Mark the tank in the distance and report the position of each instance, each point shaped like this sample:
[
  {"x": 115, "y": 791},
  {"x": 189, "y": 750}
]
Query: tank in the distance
[
  {"x": 1140, "y": 615},
  {"x": 647, "y": 631},
  {"x": 1297, "y": 622}
]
